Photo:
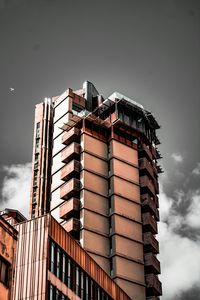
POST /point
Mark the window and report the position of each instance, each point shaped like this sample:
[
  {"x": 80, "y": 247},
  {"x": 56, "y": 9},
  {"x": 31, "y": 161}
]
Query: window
[
  {"x": 55, "y": 294},
  {"x": 71, "y": 274},
  {"x": 38, "y": 130},
  {"x": 35, "y": 178},
  {"x": 58, "y": 295},
  {"x": 4, "y": 268},
  {"x": 82, "y": 285},
  {"x": 33, "y": 210},
  {"x": 111, "y": 266},
  {"x": 87, "y": 287},
  {"x": 58, "y": 265},
  {"x": 76, "y": 108},
  {"x": 53, "y": 250},
  {"x": 51, "y": 292},
  {"x": 64, "y": 268},
  {"x": 77, "y": 281},
  {"x": 37, "y": 147},
  {"x": 98, "y": 293}
]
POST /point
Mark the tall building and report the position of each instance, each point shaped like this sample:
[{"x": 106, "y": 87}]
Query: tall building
[{"x": 95, "y": 171}]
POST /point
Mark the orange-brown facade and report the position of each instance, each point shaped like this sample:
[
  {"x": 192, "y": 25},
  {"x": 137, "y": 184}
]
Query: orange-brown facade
[
  {"x": 8, "y": 241},
  {"x": 52, "y": 265},
  {"x": 103, "y": 183}
]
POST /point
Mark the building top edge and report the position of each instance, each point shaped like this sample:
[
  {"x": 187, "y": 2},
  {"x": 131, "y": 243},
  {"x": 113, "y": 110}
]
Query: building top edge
[{"x": 117, "y": 95}]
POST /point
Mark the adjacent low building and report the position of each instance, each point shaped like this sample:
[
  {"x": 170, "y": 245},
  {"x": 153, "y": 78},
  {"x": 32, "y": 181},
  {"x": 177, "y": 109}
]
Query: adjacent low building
[
  {"x": 50, "y": 264},
  {"x": 8, "y": 244}
]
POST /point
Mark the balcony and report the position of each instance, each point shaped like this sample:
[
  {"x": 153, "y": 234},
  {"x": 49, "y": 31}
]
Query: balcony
[
  {"x": 149, "y": 223},
  {"x": 157, "y": 141},
  {"x": 159, "y": 169},
  {"x": 144, "y": 151},
  {"x": 149, "y": 205},
  {"x": 152, "y": 264},
  {"x": 156, "y": 185},
  {"x": 154, "y": 168},
  {"x": 146, "y": 167},
  {"x": 158, "y": 154},
  {"x": 71, "y": 136},
  {"x": 70, "y": 170},
  {"x": 70, "y": 189},
  {"x": 153, "y": 150},
  {"x": 70, "y": 153},
  {"x": 150, "y": 243},
  {"x": 72, "y": 226},
  {"x": 69, "y": 209},
  {"x": 153, "y": 285},
  {"x": 147, "y": 185},
  {"x": 156, "y": 200}
]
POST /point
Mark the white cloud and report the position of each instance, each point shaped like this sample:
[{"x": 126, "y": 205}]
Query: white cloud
[
  {"x": 165, "y": 204},
  {"x": 179, "y": 256},
  {"x": 177, "y": 157},
  {"x": 196, "y": 170},
  {"x": 16, "y": 187},
  {"x": 193, "y": 216}
]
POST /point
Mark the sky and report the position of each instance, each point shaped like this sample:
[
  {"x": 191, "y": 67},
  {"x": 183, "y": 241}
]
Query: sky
[{"x": 148, "y": 50}]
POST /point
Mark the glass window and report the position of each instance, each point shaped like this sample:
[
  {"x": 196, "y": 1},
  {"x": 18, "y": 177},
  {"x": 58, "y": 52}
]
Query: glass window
[
  {"x": 78, "y": 281},
  {"x": 76, "y": 108},
  {"x": 58, "y": 295},
  {"x": 87, "y": 287},
  {"x": 53, "y": 252},
  {"x": 92, "y": 290},
  {"x": 82, "y": 285},
  {"x": 58, "y": 265},
  {"x": 98, "y": 293},
  {"x": 69, "y": 273},
  {"x": 51, "y": 292},
  {"x": 64, "y": 268},
  {"x": 38, "y": 130},
  {"x": 4, "y": 272}
]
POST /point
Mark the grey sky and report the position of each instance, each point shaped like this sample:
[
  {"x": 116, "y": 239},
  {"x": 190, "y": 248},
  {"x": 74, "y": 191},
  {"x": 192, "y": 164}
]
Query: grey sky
[{"x": 144, "y": 49}]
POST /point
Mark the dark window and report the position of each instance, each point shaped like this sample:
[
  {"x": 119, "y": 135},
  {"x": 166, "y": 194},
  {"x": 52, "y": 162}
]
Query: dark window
[
  {"x": 55, "y": 294},
  {"x": 33, "y": 210},
  {"x": 111, "y": 266},
  {"x": 58, "y": 265},
  {"x": 4, "y": 268},
  {"x": 38, "y": 130},
  {"x": 77, "y": 107},
  {"x": 51, "y": 292},
  {"x": 78, "y": 281},
  {"x": 82, "y": 285},
  {"x": 87, "y": 288},
  {"x": 53, "y": 254},
  {"x": 70, "y": 273},
  {"x": 64, "y": 268},
  {"x": 58, "y": 295}
]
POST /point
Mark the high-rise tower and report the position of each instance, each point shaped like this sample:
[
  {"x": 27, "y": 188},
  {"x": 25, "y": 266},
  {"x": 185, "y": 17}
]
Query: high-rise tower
[{"x": 95, "y": 170}]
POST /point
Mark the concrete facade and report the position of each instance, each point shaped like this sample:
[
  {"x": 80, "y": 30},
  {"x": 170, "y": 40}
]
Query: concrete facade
[{"x": 103, "y": 184}]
